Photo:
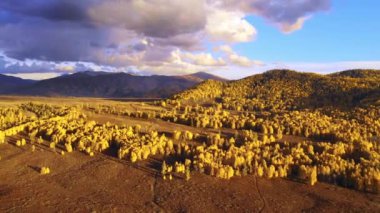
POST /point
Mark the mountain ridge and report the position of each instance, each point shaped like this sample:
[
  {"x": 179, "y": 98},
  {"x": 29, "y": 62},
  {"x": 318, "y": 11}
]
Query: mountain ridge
[
  {"x": 125, "y": 85},
  {"x": 9, "y": 83},
  {"x": 112, "y": 85}
]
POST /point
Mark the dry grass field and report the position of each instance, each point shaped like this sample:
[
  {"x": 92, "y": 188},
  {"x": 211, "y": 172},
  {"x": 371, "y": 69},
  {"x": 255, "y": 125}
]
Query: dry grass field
[{"x": 103, "y": 182}]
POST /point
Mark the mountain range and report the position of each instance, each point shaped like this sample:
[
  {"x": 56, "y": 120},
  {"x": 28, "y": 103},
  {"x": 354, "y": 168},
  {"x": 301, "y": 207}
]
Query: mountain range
[
  {"x": 299, "y": 89},
  {"x": 104, "y": 84},
  {"x": 10, "y": 83}
]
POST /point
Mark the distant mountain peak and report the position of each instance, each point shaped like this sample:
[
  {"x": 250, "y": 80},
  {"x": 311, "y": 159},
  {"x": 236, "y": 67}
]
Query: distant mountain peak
[
  {"x": 92, "y": 73},
  {"x": 201, "y": 76}
]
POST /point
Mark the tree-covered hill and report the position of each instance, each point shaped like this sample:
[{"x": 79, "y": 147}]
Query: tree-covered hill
[
  {"x": 286, "y": 89},
  {"x": 358, "y": 73}
]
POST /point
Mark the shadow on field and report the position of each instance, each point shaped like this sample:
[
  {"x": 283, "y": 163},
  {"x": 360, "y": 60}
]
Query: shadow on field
[{"x": 111, "y": 154}]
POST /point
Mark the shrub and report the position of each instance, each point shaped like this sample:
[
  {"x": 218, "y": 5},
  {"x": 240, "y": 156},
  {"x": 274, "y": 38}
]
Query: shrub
[
  {"x": 44, "y": 170},
  {"x": 2, "y": 137}
]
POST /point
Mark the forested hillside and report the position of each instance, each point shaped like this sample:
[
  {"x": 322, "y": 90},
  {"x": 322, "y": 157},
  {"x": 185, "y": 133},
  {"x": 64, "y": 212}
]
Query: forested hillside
[
  {"x": 284, "y": 89},
  {"x": 301, "y": 126}
]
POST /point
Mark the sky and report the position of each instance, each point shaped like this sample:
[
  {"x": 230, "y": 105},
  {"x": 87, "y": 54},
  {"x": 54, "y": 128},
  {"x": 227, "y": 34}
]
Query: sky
[{"x": 232, "y": 38}]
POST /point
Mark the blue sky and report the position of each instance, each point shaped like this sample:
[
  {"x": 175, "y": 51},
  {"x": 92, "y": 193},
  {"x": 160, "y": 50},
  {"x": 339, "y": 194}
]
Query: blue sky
[
  {"x": 232, "y": 38},
  {"x": 349, "y": 31},
  {"x": 346, "y": 36}
]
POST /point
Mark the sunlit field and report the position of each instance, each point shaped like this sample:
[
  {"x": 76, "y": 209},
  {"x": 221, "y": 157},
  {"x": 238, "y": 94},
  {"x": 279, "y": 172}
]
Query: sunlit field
[{"x": 205, "y": 148}]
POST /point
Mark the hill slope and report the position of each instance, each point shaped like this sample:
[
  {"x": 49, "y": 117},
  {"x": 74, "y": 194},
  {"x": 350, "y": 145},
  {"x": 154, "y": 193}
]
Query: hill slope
[
  {"x": 9, "y": 83},
  {"x": 359, "y": 73},
  {"x": 103, "y": 84},
  {"x": 285, "y": 89},
  {"x": 201, "y": 76}
]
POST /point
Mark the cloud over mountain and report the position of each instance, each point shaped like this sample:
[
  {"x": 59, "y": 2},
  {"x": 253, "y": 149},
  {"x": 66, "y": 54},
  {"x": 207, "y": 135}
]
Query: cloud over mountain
[{"x": 152, "y": 36}]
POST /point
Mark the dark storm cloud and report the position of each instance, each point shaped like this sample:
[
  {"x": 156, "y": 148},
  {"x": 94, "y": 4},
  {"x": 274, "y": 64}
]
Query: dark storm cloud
[
  {"x": 70, "y": 10},
  {"x": 288, "y": 11},
  {"x": 44, "y": 40},
  {"x": 49, "y": 30},
  {"x": 133, "y": 33},
  {"x": 279, "y": 12},
  {"x": 73, "y": 30},
  {"x": 188, "y": 41},
  {"x": 154, "y": 18}
]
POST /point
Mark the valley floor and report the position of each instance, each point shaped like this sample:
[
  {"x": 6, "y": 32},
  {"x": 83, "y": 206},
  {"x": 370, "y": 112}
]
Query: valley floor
[
  {"x": 104, "y": 183},
  {"x": 80, "y": 183}
]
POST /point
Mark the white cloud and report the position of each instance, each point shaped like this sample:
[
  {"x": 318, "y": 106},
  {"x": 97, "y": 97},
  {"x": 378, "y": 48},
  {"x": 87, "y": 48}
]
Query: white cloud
[
  {"x": 243, "y": 61},
  {"x": 237, "y": 59},
  {"x": 178, "y": 63},
  {"x": 203, "y": 59},
  {"x": 36, "y": 76},
  {"x": 225, "y": 49},
  {"x": 229, "y": 26},
  {"x": 289, "y": 28}
]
